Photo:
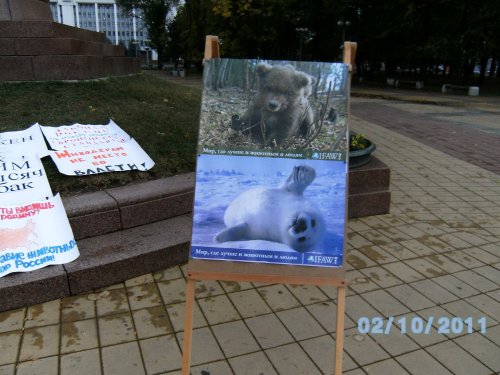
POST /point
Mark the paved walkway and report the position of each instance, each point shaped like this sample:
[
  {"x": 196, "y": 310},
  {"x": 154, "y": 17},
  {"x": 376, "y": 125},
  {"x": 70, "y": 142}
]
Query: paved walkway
[
  {"x": 469, "y": 132},
  {"x": 435, "y": 258}
]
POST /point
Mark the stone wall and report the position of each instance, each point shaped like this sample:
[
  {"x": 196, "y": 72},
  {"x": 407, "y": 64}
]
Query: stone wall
[{"x": 34, "y": 48}]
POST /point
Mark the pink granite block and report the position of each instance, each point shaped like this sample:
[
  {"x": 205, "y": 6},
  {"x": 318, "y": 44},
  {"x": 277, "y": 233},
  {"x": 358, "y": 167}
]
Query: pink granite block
[
  {"x": 64, "y": 31},
  {"x": 51, "y": 46},
  {"x": 112, "y": 50},
  {"x": 26, "y": 29},
  {"x": 369, "y": 204},
  {"x": 154, "y": 200},
  {"x": 30, "y": 288},
  {"x": 29, "y": 10},
  {"x": 374, "y": 176},
  {"x": 92, "y": 214},
  {"x": 16, "y": 68},
  {"x": 7, "y": 47},
  {"x": 116, "y": 66},
  {"x": 115, "y": 257},
  {"x": 66, "y": 67}
]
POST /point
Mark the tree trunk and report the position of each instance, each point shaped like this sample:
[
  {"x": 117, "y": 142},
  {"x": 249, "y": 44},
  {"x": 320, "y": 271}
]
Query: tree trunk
[
  {"x": 492, "y": 67},
  {"x": 482, "y": 72}
]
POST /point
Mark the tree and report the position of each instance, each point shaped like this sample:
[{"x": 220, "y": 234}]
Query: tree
[
  {"x": 188, "y": 30},
  {"x": 155, "y": 14},
  {"x": 421, "y": 38}
]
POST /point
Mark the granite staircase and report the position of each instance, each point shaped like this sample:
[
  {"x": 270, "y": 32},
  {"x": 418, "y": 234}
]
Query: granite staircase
[
  {"x": 121, "y": 233},
  {"x": 35, "y": 48}
]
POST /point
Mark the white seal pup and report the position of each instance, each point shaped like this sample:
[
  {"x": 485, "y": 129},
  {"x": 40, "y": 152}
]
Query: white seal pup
[{"x": 280, "y": 214}]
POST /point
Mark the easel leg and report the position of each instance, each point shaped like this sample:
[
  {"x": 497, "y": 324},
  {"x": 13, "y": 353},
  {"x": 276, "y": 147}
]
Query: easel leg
[
  {"x": 339, "y": 336},
  {"x": 188, "y": 326}
]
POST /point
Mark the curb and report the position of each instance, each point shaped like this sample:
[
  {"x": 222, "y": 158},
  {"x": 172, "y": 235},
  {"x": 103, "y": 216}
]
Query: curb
[{"x": 115, "y": 209}]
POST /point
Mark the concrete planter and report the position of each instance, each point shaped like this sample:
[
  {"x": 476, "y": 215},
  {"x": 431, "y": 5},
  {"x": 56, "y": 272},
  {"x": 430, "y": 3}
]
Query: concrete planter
[{"x": 358, "y": 158}]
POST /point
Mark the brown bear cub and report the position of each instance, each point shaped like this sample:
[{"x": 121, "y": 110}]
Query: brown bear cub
[{"x": 281, "y": 107}]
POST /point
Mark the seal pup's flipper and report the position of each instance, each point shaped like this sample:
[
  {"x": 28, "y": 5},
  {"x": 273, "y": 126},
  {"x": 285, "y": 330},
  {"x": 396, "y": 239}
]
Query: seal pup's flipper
[
  {"x": 237, "y": 233},
  {"x": 300, "y": 178}
]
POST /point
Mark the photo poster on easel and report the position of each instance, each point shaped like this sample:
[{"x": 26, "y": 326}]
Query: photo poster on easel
[{"x": 271, "y": 175}]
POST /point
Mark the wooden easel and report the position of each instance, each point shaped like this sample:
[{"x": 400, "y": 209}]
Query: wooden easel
[{"x": 265, "y": 273}]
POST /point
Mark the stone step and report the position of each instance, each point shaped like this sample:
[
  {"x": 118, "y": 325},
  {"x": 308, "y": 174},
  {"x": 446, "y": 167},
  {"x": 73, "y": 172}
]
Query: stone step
[
  {"x": 46, "y": 50},
  {"x": 24, "y": 10},
  {"x": 57, "y": 46},
  {"x": 65, "y": 31},
  {"x": 104, "y": 260},
  {"x": 124, "y": 207},
  {"x": 118, "y": 256},
  {"x": 77, "y": 67},
  {"x": 48, "y": 46},
  {"x": 47, "y": 29},
  {"x": 65, "y": 67}
]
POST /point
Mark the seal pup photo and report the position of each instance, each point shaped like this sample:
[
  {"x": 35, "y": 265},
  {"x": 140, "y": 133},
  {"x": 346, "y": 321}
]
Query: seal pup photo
[
  {"x": 278, "y": 214},
  {"x": 281, "y": 106}
]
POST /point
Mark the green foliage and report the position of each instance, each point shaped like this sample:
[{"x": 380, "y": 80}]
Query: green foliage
[
  {"x": 357, "y": 142},
  {"x": 415, "y": 36},
  {"x": 161, "y": 116},
  {"x": 155, "y": 14},
  {"x": 254, "y": 28}
]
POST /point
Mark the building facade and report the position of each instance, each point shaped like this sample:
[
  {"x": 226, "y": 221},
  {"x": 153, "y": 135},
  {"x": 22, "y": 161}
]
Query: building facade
[{"x": 104, "y": 16}]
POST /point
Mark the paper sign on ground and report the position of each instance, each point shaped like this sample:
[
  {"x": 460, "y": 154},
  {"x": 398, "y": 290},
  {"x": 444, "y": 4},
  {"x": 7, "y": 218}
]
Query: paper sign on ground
[
  {"x": 102, "y": 158},
  {"x": 272, "y": 163},
  {"x": 23, "y": 142},
  {"x": 35, "y": 235},
  {"x": 22, "y": 179},
  {"x": 79, "y": 135}
]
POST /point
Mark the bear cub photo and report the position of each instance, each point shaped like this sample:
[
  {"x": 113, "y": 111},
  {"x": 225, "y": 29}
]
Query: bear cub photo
[{"x": 281, "y": 107}]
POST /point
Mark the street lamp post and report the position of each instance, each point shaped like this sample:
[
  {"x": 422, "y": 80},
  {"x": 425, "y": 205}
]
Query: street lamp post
[
  {"x": 147, "y": 48},
  {"x": 306, "y": 34},
  {"x": 343, "y": 24},
  {"x": 136, "y": 46},
  {"x": 301, "y": 31},
  {"x": 147, "y": 56}
]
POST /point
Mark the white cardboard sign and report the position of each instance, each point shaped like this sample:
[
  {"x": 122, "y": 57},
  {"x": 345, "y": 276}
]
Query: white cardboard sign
[
  {"x": 24, "y": 141},
  {"x": 22, "y": 179},
  {"x": 35, "y": 235},
  {"x": 102, "y": 158},
  {"x": 82, "y": 136}
]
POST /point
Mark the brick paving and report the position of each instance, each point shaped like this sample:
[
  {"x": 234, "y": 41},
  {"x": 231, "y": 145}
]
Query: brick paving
[
  {"x": 463, "y": 139},
  {"x": 433, "y": 259}
]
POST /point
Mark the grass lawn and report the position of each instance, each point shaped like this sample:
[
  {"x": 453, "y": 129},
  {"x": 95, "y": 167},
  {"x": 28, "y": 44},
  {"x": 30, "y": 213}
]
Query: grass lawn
[{"x": 163, "y": 117}]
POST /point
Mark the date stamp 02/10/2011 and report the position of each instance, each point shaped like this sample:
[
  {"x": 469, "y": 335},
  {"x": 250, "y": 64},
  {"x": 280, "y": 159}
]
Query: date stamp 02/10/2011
[{"x": 417, "y": 325}]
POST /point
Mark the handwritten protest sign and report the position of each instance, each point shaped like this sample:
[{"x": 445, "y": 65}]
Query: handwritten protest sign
[
  {"x": 24, "y": 141},
  {"x": 35, "y": 235},
  {"x": 22, "y": 179},
  {"x": 81, "y": 161},
  {"x": 90, "y": 149},
  {"x": 78, "y": 135}
]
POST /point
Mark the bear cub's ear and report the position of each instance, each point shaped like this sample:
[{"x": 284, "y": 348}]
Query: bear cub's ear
[
  {"x": 262, "y": 69},
  {"x": 302, "y": 79}
]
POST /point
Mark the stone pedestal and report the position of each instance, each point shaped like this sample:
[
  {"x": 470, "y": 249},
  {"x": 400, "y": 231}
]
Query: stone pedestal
[
  {"x": 35, "y": 48},
  {"x": 369, "y": 189}
]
